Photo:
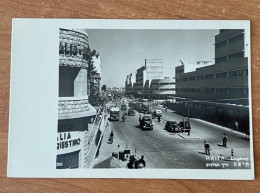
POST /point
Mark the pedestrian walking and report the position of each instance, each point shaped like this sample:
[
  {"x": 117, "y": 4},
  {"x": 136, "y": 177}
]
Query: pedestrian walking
[
  {"x": 111, "y": 137},
  {"x": 159, "y": 118},
  {"x": 224, "y": 140},
  {"x": 207, "y": 148},
  {"x": 189, "y": 128},
  {"x": 166, "y": 108},
  {"x": 236, "y": 125},
  {"x": 123, "y": 117}
]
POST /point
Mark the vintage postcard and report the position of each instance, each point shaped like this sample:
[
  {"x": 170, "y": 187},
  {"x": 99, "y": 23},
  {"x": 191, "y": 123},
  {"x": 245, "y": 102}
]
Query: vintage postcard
[{"x": 131, "y": 99}]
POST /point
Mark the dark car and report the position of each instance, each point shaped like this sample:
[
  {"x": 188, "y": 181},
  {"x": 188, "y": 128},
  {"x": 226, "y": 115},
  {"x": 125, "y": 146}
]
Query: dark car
[
  {"x": 131, "y": 112},
  {"x": 146, "y": 122},
  {"x": 184, "y": 126},
  {"x": 172, "y": 126}
]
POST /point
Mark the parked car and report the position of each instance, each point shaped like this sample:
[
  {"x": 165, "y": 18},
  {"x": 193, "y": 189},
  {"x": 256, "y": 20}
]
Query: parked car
[
  {"x": 148, "y": 112},
  {"x": 184, "y": 126},
  {"x": 172, "y": 126},
  {"x": 157, "y": 113},
  {"x": 131, "y": 112}
]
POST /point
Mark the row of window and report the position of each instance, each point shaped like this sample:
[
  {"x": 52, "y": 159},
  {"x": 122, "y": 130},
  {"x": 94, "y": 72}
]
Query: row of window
[
  {"x": 217, "y": 75},
  {"x": 73, "y": 50},
  {"x": 230, "y": 57},
  {"x": 214, "y": 90},
  {"x": 166, "y": 89},
  {"x": 179, "y": 71},
  {"x": 161, "y": 84},
  {"x": 229, "y": 41}
]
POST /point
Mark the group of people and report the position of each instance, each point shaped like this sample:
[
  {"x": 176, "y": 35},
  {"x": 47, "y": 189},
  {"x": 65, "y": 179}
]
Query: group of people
[
  {"x": 136, "y": 163},
  {"x": 207, "y": 145},
  {"x": 133, "y": 162}
]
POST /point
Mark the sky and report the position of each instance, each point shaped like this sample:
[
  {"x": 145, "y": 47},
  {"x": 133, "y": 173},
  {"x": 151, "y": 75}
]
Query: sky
[{"x": 124, "y": 51}]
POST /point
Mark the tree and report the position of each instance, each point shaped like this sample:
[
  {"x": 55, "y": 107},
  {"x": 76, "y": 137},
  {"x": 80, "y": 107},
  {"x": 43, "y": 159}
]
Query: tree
[
  {"x": 91, "y": 71},
  {"x": 104, "y": 87}
]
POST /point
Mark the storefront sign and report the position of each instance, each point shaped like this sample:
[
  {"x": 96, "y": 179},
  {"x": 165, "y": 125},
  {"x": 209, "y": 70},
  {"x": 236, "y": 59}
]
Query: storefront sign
[{"x": 69, "y": 141}]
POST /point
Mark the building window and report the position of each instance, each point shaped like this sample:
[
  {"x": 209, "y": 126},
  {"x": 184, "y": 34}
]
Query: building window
[
  {"x": 221, "y": 90},
  {"x": 236, "y": 73},
  {"x": 236, "y": 55},
  {"x": 198, "y": 90},
  {"x": 221, "y": 75},
  {"x": 236, "y": 90},
  {"x": 236, "y": 38},
  {"x": 179, "y": 71},
  {"x": 221, "y": 59},
  {"x": 200, "y": 77},
  {"x": 209, "y": 76},
  {"x": 185, "y": 90},
  {"x": 191, "y": 78},
  {"x": 221, "y": 44},
  {"x": 185, "y": 79}
]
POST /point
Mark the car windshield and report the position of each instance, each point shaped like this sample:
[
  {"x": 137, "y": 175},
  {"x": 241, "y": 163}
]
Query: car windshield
[{"x": 173, "y": 123}]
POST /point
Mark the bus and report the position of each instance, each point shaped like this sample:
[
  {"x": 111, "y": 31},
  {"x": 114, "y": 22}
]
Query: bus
[{"x": 114, "y": 114}]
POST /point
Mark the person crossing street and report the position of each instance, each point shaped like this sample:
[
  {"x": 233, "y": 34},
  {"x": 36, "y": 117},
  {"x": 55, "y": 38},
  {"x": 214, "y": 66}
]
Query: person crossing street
[
  {"x": 224, "y": 140},
  {"x": 207, "y": 148}
]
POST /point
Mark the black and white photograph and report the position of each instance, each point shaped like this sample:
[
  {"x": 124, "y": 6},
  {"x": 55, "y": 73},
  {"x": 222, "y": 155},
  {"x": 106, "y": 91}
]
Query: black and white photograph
[{"x": 141, "y": 99}]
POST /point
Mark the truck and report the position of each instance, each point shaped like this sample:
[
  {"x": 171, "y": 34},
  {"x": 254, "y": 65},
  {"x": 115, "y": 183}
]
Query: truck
[
  {"x": 146, "y": 121},
  {"x": 124, "y": 107},
  {"x": 114, "y": 114}
]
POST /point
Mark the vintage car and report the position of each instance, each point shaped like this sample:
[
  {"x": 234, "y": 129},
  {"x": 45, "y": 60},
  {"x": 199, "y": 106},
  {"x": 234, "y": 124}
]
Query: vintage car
[
  {"x": 146, "y": 122},
  {"x": 131, "y": 112},
  {"x": 157, "y": 113},
  {"x": 172, "y": 126},
  {"x": 184, "y": 126}
]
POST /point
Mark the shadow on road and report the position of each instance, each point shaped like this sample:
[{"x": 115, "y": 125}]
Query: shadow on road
[
  {"x": 244, "y": 138},
  {"x": 220, "y": 145},
  {"x": 203, "y": 153}
]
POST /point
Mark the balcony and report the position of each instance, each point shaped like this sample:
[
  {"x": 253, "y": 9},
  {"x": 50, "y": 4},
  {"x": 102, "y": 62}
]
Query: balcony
[
  {"x": 72, "y": 61},
  {"x": 75, "y": 107}
]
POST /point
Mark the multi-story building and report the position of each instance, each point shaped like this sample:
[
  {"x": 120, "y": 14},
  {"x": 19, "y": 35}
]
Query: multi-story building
[
  {"x": 153, "y": 69},
  {"x": 226, "y": 80},
  {"x": 129, "y": 83},
  {"x": 162, "y": 88},
  {"x": 213, "y": 90},
  {"x": 75, "y": 112}
]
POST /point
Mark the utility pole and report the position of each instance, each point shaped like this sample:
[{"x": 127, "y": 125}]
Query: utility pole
[{"x": 188, "y": 105}]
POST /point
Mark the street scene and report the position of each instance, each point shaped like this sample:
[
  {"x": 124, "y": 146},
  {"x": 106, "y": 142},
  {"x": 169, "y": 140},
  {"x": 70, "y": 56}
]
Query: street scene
[{"x": 182, "y": 104}]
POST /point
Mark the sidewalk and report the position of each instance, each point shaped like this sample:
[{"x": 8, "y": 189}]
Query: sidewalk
[
  {"x": 106, "y": 150},
  {"x": 167, "y": 116},
  {"x": 186, "y": 136}
]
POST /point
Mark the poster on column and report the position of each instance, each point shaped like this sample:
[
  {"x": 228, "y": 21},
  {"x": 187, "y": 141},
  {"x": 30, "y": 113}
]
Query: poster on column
[{"x": 131, "y": 99}]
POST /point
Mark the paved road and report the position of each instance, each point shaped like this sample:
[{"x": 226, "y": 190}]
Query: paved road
[{"x": 163, "y": 149}]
